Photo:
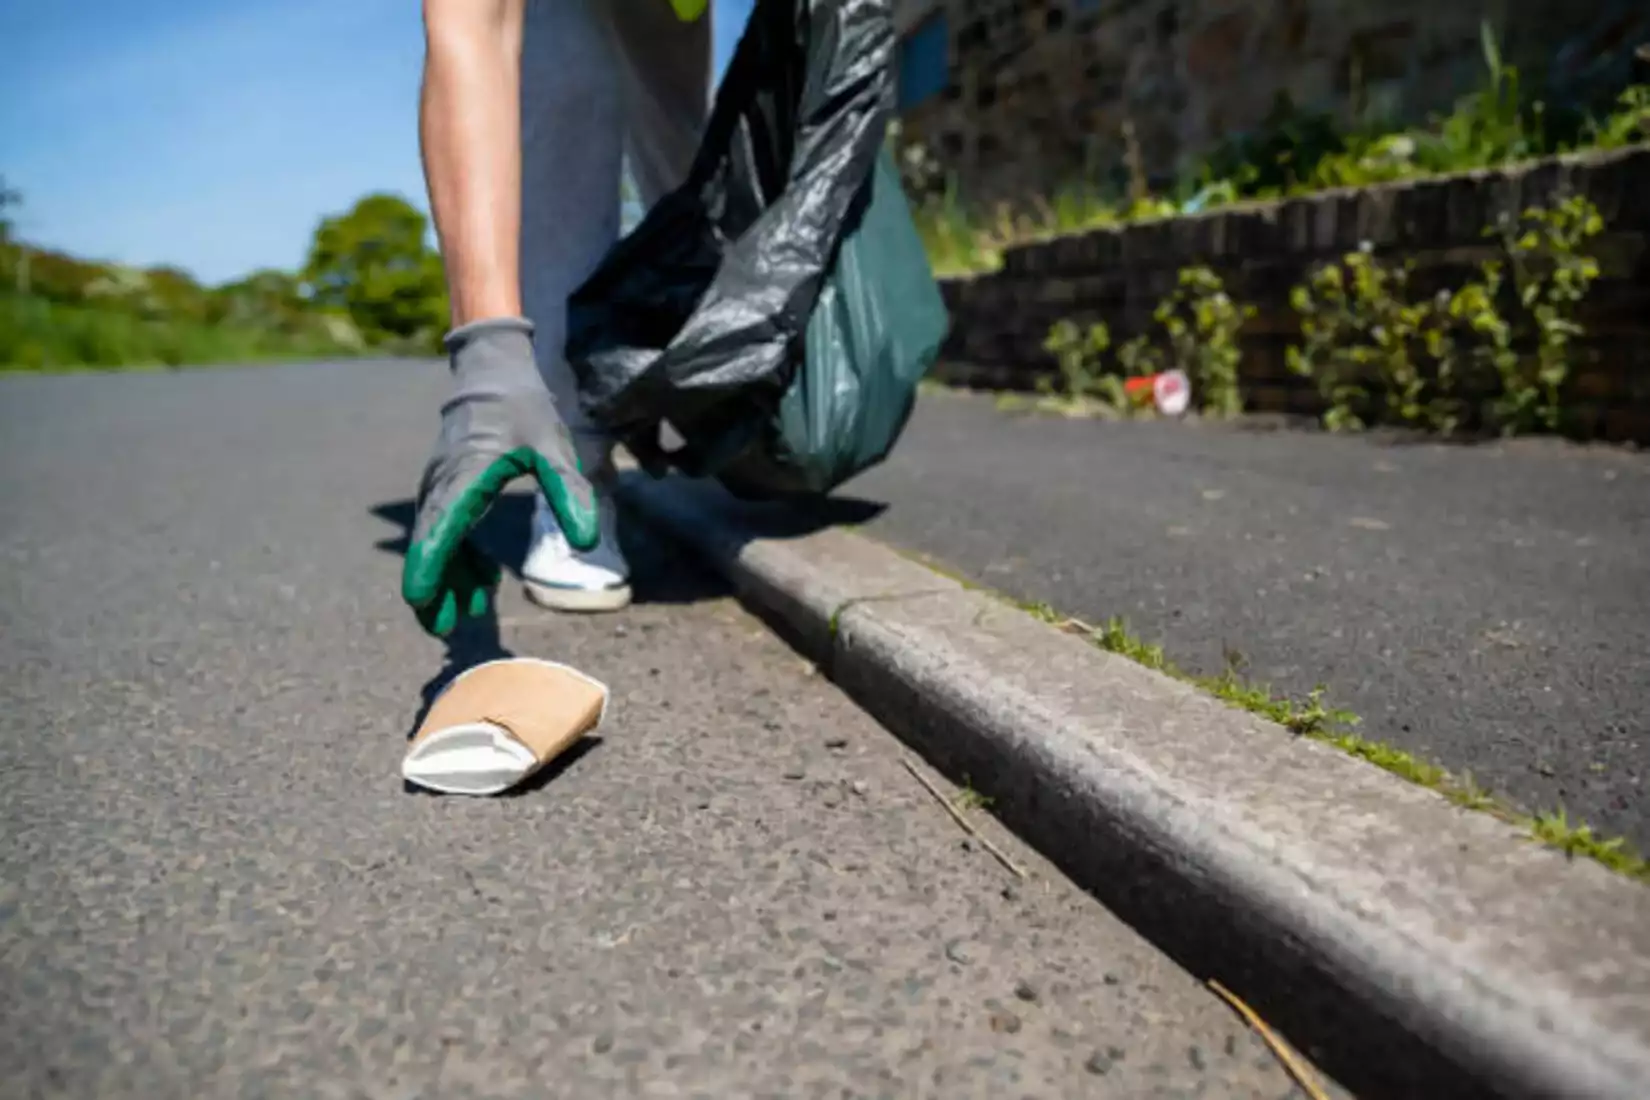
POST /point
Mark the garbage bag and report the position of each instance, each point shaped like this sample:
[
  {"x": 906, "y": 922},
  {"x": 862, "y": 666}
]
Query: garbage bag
[
  {"x": 703, "y": 316},
  {"x": 876, "y": 329}
]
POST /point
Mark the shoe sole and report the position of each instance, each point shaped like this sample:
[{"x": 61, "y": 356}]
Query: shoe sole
[{"x": 581, "y": 600}]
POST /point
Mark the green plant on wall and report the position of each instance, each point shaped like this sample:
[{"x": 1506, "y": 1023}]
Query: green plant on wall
[
  {"x": 1084, "y": 378},
  {"x": 1079, "y": 357},
  {"x": 1628, "y": 124},
  {"x": 1377, "y": 356},
  {"x": 1494, "y": 124},
  {"x": 1470, "y": 340},
  {"x": 1552, "y": 272},
  {"x": 1197, "y": 332},
  {"x": 1292, "y": 152},
  {"x": 1202, "y": 324}
]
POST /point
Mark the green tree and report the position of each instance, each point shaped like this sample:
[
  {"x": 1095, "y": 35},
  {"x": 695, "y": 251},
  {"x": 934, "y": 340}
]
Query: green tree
[
  {"x": 155, "y": 293},
  {"x": 374, "y": 262},
  {"x": 267, "y": 298},
  {"x": 176, "y": 294},
  {"x": 62, "y": 278}
]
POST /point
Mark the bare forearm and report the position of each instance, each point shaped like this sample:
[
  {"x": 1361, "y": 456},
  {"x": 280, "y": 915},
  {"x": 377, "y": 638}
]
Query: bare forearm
[{"x": 469, "y": 130}]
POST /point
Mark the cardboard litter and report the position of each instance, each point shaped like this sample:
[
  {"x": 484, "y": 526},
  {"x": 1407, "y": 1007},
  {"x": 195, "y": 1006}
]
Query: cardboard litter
[{"x": 499, "y": 722}]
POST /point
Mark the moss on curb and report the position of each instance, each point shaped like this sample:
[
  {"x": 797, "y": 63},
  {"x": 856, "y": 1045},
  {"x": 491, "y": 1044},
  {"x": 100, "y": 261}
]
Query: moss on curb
[{"x": 1311, "y": 717}]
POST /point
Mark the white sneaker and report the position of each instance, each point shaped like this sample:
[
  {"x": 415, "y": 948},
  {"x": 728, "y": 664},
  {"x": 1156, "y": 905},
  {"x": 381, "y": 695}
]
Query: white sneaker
[{"x": 561, "y": 578}]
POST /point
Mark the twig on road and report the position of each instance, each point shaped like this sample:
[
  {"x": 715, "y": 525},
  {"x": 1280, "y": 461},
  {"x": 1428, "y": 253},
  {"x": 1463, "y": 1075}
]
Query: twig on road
[
  {"x": 1297, "y": 1069},
  {"x": 967, "y": 826}
]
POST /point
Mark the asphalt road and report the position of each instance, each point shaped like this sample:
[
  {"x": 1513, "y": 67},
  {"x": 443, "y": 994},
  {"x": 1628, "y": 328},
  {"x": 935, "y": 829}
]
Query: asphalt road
[
  {"x": 213, "y": 884},
  {"x": 1485, "y": 607}
]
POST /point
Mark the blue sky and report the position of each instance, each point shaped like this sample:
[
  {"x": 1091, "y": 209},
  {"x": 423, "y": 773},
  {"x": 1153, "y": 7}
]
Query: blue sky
[{"x": 212, "y": 134}]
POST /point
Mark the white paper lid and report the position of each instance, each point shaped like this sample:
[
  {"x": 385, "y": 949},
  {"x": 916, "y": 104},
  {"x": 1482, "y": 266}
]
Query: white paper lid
[{"x": 477, "y": 758}]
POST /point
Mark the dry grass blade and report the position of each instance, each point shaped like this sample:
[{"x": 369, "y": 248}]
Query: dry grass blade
[
  {"x": 967, "y": 826},
  {"x": 1297, "y": 1069}
]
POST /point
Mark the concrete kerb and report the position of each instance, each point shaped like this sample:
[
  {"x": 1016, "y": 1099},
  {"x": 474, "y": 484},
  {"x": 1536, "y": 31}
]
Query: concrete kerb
[{"x": 1444, "y": 929}]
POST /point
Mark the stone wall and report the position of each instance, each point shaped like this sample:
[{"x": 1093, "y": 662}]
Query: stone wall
[
  {"x": 999, "y": 321},
  {"x": 1041, "y": 90}
]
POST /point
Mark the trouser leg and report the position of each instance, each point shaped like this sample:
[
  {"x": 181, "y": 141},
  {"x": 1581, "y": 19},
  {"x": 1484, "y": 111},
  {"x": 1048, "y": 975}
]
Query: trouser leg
[
  {"x": 572, "y": 138},
  {"x": 599, "y": 80},
  {"x": 664, "y": 88}
]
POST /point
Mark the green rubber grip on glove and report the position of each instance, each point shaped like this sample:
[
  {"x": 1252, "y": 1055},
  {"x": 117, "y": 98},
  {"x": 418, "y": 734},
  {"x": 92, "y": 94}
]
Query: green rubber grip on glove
[{"x": 689, "y": 10}]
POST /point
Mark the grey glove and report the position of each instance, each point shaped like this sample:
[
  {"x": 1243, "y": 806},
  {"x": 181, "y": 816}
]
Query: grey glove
[{"x": 499, "y": 424}]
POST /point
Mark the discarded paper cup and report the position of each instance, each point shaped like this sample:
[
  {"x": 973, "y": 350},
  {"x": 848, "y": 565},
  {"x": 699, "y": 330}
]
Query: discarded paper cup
[
  {"x": 499, "y": 722},
  {"x": 1170, "y": 391}
]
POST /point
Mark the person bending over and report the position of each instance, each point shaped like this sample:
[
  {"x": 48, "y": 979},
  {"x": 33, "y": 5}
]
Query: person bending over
[{"x": 527, "y": 111}]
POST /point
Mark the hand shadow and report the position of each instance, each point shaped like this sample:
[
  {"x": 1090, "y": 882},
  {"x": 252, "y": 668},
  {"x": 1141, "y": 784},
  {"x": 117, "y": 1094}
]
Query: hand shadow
[
  {"x": 501, "y": 534},
  {"x": 660, "y": 573},
  {"x": 474, "y": 641}
]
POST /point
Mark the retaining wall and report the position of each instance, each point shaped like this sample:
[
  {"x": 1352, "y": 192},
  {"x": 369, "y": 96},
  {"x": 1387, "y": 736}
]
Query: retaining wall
[{"x": 1118, "y": 275}]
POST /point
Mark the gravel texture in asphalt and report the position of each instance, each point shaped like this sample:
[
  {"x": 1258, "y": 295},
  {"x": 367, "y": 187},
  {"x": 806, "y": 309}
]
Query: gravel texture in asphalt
[
  {"x": 213, "y": 883},
  {"x": 1485, "y": 607}
]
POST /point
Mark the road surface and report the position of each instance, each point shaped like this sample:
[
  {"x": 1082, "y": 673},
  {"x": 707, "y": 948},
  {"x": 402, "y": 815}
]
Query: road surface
[
  {"x": 213, "y": 884},
  {"x": 1487, "y": 608}
]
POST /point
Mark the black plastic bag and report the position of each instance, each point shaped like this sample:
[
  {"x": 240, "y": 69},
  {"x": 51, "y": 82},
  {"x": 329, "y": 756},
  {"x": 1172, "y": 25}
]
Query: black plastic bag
[
  {"x": 876, "y": 329},
  {"x": 703, "y": 315}
]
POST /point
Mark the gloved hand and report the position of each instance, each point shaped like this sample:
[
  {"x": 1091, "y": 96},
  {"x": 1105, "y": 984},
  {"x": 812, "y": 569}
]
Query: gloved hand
[{"x": 499, "y": 424}]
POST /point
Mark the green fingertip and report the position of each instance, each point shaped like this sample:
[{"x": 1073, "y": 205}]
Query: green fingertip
[
  {"x": 577, "y": 517},
  {"x": 505, "y": 469},
  {"x": 426, "y": 619},
  {"x": 478, "y": 603},
  {"x": 421, "y": 573},
  {"x": 447, "y": 616}
]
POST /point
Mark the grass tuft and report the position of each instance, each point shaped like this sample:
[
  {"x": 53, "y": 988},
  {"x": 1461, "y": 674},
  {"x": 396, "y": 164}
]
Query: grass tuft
[{"x": 1310, "y": 716}]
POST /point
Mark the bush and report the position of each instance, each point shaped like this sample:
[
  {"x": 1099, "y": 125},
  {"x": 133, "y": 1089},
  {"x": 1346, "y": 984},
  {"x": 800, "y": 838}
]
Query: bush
[
  {"x": 1198, "y": 325},
  {"x": 36, "y": 334},
  {"x": 1378, "y": 355},
  {"x": 1293, "y": 152}
]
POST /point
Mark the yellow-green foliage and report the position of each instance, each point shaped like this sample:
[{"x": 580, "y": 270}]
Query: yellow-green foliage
[
  {"x": 1381, "y": 354},
  {"x": 1295, "y": 153},
  {"x": 1197, "y": 327}
]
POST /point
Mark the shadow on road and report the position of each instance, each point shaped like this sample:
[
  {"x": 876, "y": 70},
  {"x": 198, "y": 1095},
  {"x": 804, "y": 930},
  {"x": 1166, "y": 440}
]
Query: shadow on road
[
  {"x": 502, "y": 533},
  {"x": 778, "y": 519},
  {"x": 799, "y": 518},
  {"x": 474, "y": 642},
  {"x": 659, "y": 574}
]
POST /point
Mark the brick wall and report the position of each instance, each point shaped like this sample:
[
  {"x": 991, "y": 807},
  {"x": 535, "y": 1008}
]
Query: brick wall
[
  {"x": 1040, "y": 90},
  {"x": 999, "y": 321}
]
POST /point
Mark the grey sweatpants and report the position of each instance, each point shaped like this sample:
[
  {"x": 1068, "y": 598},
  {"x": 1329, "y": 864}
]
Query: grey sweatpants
[{"x": 600, "y": 80}]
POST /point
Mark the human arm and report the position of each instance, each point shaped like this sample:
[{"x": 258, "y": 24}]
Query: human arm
[{"x": 499, "y": 422}]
